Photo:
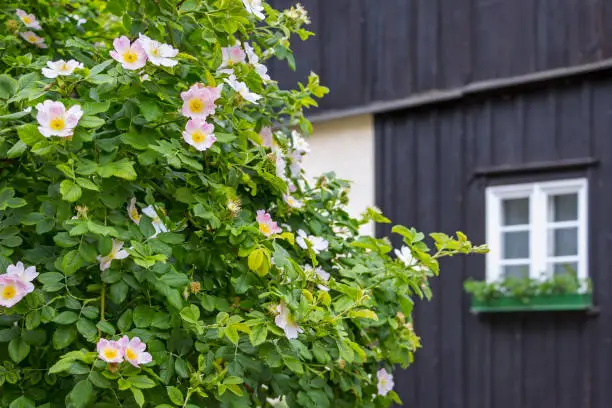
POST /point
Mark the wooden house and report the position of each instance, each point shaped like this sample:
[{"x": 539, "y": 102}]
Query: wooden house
[{"x": 493, "y": 117}]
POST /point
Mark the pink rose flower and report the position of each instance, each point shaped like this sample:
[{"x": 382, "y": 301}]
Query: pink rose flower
[{"x": 130, "y": 55}]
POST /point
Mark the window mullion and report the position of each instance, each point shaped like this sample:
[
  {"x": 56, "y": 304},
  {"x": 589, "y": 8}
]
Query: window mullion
[
  {"x": 538, "y": 237},
  {"x": 493, "y": 210},
  {"x": 582, "y": 232}
]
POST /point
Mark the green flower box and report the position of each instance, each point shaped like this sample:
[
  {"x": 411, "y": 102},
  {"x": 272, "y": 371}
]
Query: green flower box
[{"x": 538, "y": 303}]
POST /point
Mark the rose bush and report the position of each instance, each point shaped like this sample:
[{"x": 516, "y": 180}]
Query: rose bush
[{"x": 159, "y": 244}]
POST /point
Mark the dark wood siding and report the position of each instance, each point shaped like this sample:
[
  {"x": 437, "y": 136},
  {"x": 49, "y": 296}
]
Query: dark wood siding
[
  {"x": 426, "y": 165},
  {"x": 382, "y": 50}
]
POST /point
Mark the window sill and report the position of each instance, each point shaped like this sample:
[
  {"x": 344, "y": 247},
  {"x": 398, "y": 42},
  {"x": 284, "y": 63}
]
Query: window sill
[{"x": 539, "y": 303}]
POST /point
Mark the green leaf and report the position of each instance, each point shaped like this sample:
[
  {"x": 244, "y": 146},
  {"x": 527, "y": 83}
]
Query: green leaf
[
  {"x": 294, "y": 364},
  {"x": 123, "y": 384},
  {"x": 16, "y": 115},
  {"x": 79, "y": 229},
  {"x": 175, "y": 395},
  {"x": 181, "y": 368},
  {"x": 32, "y": 320},
  {"x": 50, "y": 277},
  {"x": 63, "y": 337},
  {"x": 106, "y": 327},
  {"x": 224, "y": 137},
  {"x": 22, "y": 402},
  {"x": 364, "y": 314},
  {"x": 118, "y": 292},
  {"x": 138, "y": 396},
  {"x": 96, "y": 70},
  {"x": 62, "y": 365},
  {"x": 150, "y": 110},
  {"x": 190, "y": 314},
  {"x": 67, "y": 170},
  {"x": 125, "y": 321},
  {"x": 17, "y": 150},
  {"x": 71, "y": 262},
  {"x": 91, "y": 122},
  {"x": 175, "y": 280},
  {"x": 123, "y": 169},
  {"x": 64, "y": 240},
  {"x": 87, "y": 329},
  {"x": 70, "y": 191},
  {"x": 233, "y": 380},
  {"x": 8, "y": 86},
  {"x": 81, "y": 395},
  {"x": 90, "y": 312},
  {"x": 117, "y": 7},
  {"x": 99, "y": 380},
  {"x": 7, "y": 335},
  {"x": 256, "y": 258},
  {"x": 141, "y": 381},
  {"x": 171, "y": 238},
  {"x": 232, "y": 334},
  {"x": 18, "y": 349},
  {"x": 101, "y": 229},
  {"x": 190, "y": 5},
  {"x": 66, "y": 318},
  {"x": 143, "y": 316},
  {"x": 321, "y": 354},
  {"x": 258, "y": 335},
  {"x": 29, "y": 134},
  {"x": 91, "y": 108},
  {"x": 88, "y": 184}
]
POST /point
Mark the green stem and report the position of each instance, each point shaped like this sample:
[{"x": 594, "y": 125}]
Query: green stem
[
  {"x": 188, "y": 396},
  {"x": 103, "y": 302}
]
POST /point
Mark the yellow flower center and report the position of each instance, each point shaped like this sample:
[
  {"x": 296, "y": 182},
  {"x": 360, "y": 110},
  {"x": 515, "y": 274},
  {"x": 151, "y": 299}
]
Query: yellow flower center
[
  {"x": 265, "y": 228},
  {"x": 155, "y": 52},
  {"x": 198, "y": 136},
  {"x": 129, "y": 353},
  {"x": 135, "y": 214},
  {"x": 130, "y": 56},
  {"x": 9, "y": 292},
  {"x": 110, "y": 353},
  {"x": 196, "y": 105},
  {"x": 64, "y": 67},
  {"x": 31, "y": 37},
  {"x": 26, "y": 19},
  {"x": 57, "y": 124}
]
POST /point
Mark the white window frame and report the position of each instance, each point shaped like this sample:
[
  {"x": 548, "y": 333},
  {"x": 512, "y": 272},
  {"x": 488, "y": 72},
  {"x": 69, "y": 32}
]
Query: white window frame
[{"x": 538, "y": 193}]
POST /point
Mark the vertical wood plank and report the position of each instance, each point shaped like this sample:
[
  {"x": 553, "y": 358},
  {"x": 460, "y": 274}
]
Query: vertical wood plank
[
  {"x": 573, "y": 137},
  {"x": 451, "y": 189},
  {"x": 455, "y": 40},
  {"x": 427, "y": 44},
  {"x": 389, "y": 49},
  {"x": 427, "y": 316},
  {"x": 601, "y": 242},
  {"x": 474, "y": 332}
]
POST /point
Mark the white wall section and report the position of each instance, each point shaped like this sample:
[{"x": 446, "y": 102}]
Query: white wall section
[{"x": 346, "y": 146}]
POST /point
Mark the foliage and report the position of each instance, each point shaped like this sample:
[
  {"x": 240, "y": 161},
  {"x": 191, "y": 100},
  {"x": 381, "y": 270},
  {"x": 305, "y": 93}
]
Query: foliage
[
  {"x": 135, "y": 232},
  {"x": 526, "y": 288}
]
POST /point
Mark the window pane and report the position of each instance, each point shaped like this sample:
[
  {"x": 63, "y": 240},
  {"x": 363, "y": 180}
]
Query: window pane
[
  {"x": 515, "y": 244},
  {"x": 516, "y": 271},
  {"x": 564, "y": 267},
  {"x": 564, "y": 207},
  {"x": 516, "y": 211},
  {"x": 563, "y": 241}
]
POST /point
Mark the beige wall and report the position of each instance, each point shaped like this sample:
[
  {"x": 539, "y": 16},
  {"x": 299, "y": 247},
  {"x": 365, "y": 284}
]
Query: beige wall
[{"x": 346, "y": 146}]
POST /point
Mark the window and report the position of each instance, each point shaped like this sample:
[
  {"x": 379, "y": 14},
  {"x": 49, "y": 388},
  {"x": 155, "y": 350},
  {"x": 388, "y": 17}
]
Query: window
[{"x": 537, "y": 229}]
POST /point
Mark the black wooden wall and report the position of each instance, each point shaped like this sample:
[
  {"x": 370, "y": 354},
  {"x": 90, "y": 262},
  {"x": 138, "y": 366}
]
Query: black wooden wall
[
  {"x": 382, "y": 50},
  {"x": 427, "y": 162}
]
